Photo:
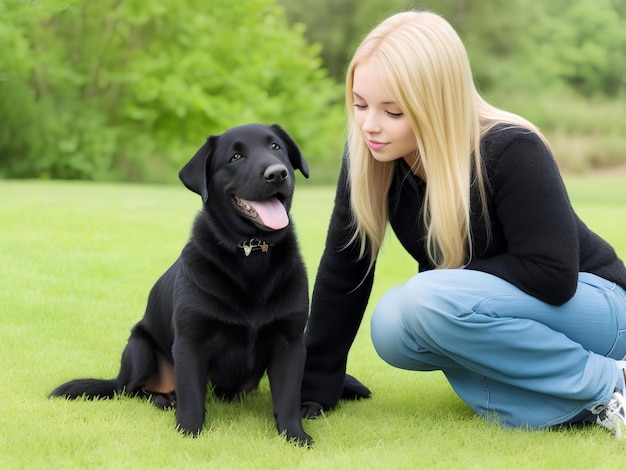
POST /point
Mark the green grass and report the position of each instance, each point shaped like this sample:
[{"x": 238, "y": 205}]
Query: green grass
[{"x": 76, "y": 263}]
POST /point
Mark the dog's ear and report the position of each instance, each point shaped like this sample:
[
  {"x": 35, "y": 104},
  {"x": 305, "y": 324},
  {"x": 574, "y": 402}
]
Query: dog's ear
[
  {"x": 295, "y": 156},
  {"x": 194, "y": 173}
]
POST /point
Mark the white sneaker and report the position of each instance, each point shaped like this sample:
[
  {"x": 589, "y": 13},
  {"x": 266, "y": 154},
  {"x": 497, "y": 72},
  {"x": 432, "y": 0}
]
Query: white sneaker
[{"x": 613, "y": 415}]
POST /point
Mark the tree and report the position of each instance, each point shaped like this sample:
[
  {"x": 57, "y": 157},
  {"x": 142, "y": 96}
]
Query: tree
[
  {"x": 515, "y": 45},
  {"x": 582, "y": 45},
  {"x": 130, "y": 89},
  {"x": 339, "y": 25},
  {"x": 17, "y": 100}
]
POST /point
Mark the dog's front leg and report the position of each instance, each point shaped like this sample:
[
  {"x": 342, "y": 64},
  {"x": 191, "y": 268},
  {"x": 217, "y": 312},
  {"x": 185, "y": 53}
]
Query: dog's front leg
[
  {"x": 190, "y": 366},
  {"x": 285, "y": 372}
]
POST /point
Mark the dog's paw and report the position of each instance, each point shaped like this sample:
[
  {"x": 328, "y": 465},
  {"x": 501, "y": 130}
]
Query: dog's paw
[
  {"x": 298, "y": 437},
  {"x": 291, "y": 429},
  {"x": 310, "y": 409},
  {"x": 164, "y": 401},
  {"x": 354, "y": 390},
  {"x": 189, "y": 424},
  {"x": 188, "y": 432}
]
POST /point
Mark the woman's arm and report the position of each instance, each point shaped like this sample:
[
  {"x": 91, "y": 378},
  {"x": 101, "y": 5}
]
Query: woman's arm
[{"x": 340, "y": 295}]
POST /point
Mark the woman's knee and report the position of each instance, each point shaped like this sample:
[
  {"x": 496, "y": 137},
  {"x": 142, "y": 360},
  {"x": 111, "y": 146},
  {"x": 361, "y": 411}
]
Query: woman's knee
[
  {"x": 386, "y": 325},
  {"x": 407, "y": 312}
]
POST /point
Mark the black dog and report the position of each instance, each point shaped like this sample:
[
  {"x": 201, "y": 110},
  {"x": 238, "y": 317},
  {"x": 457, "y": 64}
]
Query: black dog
[{"x": 235, "y": 303}]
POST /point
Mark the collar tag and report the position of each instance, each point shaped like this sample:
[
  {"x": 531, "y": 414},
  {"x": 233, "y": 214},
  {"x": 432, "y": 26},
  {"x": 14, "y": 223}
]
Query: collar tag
[{"x": 254, "y": 244}]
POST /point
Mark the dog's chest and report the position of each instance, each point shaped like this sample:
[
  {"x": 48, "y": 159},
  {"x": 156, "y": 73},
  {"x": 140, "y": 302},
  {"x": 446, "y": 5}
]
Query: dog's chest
[{"x": 245, "y": 349}]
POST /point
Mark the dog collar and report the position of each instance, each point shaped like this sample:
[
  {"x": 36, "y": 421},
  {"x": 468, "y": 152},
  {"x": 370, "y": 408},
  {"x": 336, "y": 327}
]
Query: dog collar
[{"x": 254, "y": 244}]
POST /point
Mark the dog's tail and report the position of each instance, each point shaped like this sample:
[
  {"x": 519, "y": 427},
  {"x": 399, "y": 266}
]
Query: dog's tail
[{"x": 88, "y": 388}]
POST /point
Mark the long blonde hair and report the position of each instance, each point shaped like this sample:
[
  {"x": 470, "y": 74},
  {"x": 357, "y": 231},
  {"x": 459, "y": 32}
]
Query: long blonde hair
[{"x": 426, "y": 68}]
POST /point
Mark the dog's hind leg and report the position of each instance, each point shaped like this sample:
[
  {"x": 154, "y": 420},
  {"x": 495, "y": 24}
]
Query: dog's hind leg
[
  {"x": 138, "y": 365},
  {"x": 161, "y": 387},
  {"x": 140, "y": 371},
  {"x": 131, "y": 370},
  {"x": 144, "y": 371}
]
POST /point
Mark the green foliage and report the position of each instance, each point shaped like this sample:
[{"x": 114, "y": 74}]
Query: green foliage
[
  {"x": 562, "y": 63},
  {"x": 130, "y": 89},
  {"x": 339, "y": 25},
  {"x": 16, "y": 97},
  {"x": 520, "y": 45},
  {"x": 583, "y": 45}
]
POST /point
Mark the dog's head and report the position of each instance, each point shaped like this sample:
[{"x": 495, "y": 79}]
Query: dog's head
[{"x": 246, "y": 177}]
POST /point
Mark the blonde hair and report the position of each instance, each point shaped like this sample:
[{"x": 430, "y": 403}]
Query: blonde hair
[{"x": 425, "y": 66}]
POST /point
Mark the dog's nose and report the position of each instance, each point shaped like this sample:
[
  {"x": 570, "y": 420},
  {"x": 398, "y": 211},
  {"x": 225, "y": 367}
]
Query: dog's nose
[{"x": 276, "y": 173}]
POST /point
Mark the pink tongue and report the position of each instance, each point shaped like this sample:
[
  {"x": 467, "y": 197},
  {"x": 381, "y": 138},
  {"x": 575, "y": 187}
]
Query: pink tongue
[{"x": 271, "y": 212}]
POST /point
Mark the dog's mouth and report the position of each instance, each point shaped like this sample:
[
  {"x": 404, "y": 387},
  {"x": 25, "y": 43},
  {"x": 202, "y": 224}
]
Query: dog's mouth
[{"x": 269, "y": 214}]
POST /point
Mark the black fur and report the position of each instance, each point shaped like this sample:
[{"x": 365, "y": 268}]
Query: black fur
[{"x": 222, "y": 314}]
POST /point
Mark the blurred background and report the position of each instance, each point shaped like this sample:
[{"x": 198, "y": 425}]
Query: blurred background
[{"x": 127, "y": 90}]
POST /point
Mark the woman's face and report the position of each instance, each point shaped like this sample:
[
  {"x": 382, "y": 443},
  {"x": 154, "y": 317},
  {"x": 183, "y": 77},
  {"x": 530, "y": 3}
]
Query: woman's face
[{"x": 385, "y": 127}]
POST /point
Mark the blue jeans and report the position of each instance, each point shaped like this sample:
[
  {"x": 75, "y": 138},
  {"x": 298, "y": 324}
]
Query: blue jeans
[{"x": 511, "y": 357}]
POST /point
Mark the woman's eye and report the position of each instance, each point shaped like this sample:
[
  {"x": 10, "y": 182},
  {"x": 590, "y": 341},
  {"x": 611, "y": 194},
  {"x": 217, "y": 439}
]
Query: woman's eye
[
  {"x": 394, "y": 115},
  {"x": 360, "y": 106},
  {"x": 275, "y": 146},
  {"x": 235, "y": 157}
]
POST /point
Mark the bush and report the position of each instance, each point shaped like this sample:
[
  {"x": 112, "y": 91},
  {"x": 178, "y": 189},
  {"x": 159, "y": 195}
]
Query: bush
[{"x": 129, "y": 90}]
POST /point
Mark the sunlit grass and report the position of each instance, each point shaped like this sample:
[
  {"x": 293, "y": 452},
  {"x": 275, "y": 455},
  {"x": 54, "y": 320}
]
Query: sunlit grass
[{"x": 76, "y": 263}]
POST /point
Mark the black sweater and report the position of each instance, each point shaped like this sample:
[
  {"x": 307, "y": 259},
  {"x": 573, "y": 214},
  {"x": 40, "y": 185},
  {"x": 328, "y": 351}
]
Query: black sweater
[{"x": 537, "y": 243}]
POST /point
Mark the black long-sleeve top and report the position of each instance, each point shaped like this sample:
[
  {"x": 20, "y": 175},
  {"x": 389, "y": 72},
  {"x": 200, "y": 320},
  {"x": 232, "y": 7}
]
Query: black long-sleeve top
[{"x": 536, "y": 242}]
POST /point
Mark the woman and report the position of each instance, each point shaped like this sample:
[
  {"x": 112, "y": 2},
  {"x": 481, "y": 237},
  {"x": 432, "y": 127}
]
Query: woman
[{"x": 520, "y": 305}]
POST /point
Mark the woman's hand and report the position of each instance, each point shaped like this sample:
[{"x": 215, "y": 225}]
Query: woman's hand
[{"x": 352, "y": 390}]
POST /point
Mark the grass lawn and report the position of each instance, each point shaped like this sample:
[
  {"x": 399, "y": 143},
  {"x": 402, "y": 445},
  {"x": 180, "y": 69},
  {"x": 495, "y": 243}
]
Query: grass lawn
[{"x": 76, "y": 263}]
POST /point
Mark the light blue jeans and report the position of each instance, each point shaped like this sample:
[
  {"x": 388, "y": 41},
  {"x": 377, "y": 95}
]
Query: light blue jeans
[{"x": 512, "y": 358}]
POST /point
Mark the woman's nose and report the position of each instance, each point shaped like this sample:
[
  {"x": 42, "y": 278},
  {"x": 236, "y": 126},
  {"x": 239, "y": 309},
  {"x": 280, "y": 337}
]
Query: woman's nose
[{"x": 370, "y": 124}]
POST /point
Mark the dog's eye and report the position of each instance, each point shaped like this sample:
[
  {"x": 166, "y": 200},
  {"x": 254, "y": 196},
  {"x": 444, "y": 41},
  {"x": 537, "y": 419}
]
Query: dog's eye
[
  {"x": 235, "y": 157},
  {"x": 275, "y": 146}
]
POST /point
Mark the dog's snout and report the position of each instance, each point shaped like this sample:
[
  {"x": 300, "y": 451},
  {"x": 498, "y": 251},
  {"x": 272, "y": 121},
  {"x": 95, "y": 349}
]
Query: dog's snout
[{"x": 276, "y": 173}]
